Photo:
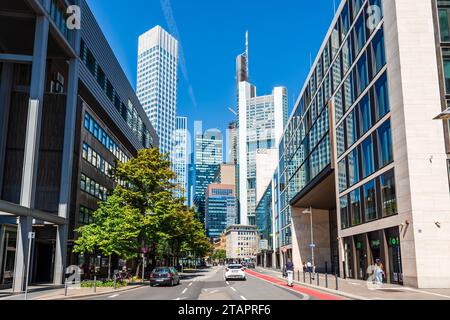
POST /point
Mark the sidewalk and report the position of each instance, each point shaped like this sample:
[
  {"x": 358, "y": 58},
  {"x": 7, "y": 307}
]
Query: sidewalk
[
  {"x": 359, "y": 290},
  {"x": 74, "y": 293}
]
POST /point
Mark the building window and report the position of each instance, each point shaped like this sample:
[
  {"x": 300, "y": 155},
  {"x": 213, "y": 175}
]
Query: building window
[
  {"x": 90, "y": 62},
  {"x": 370, "y": 206},
  {"x": 362, "y": 78},
  {"x": 344, "y": 212},
  {"x": 368, "y": 165},
  {"x": 385, "y": 152},
  {"x": 347, "y": 56},
  {"x": 349, "y": 92},
  {"x": 360, "y": 34},
  {"x": 382, "y": 96},
  {"x": 365, "y": 115},
  {"x": 353, "y": 167},
  {"x": 340, "y": 138},
  {"x": 345, "y": 21},
  {"x": 388, "y": 196},
  {"x": 357, "y": 5},
  {"x": 355, "y": 207},
  {"x": 447, "y": 74},
  {"x": 444, "y": 24},
  {"x": 378, "y": 52},
  {"x": 342, "y": 175},
  {"x": 352, "y": 133}
]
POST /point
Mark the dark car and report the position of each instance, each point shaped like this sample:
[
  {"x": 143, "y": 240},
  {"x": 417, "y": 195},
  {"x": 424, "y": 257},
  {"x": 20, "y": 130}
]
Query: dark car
[{"x": 164, "y": 276}]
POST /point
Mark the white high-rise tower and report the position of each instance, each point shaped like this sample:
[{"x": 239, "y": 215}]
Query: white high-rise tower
[{"x": 157, "y": 82}]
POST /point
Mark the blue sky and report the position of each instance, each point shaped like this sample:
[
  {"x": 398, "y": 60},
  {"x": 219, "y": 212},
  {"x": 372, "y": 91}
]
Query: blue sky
[{"x": 283, "y": 34}]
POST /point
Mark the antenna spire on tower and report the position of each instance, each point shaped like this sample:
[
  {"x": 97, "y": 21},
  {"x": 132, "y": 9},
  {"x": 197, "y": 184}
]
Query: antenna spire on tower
[{"x": 247, "y": 52}]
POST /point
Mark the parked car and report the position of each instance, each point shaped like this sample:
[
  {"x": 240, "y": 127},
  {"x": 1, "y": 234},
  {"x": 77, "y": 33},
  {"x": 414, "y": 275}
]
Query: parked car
[
  {"x": 164, "y": 276},
  {"x": 235, "y": 271}
]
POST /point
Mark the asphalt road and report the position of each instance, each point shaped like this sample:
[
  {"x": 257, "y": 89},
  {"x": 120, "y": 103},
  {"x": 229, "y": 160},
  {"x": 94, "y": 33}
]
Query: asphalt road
[{"x": 209, "y": 285}]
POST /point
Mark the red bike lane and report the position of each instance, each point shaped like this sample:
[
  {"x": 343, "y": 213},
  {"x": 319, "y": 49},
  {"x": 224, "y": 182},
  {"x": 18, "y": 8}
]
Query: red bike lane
[{"x": 310, "y": 292}]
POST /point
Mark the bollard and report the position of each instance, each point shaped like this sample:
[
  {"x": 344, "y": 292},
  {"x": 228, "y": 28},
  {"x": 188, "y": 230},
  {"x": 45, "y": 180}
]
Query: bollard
[
  {"x": 318, "y": 277},
  {"x": 95, "y": 283},
  {"x": 65, "y": 288},
  {"x": 337, "y": 281},
  {"x": 326, "y": 280},
  {"x": 304, "y": 277},
  {"x": 298, "y": 275},
  {"x": 115, "y": 282},
  {"x": 310, "y": 278}
]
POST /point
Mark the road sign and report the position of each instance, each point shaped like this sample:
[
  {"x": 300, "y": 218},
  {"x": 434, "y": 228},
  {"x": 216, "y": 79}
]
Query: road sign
[
  {"x": 312, "y": 245},
  {"x": 31, "y": 235}
]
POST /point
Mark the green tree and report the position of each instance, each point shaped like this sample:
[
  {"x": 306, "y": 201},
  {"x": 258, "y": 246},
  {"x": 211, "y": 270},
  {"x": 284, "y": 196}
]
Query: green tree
[
  {"x": 219, "y": 255},
  {"x": 115, "y": 230},
  {"x": 144, "y": 212}
]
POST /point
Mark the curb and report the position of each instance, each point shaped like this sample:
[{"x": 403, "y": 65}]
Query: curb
[
  {"x": 93, "y": 294},
  {"x": 335, "y": 292}
]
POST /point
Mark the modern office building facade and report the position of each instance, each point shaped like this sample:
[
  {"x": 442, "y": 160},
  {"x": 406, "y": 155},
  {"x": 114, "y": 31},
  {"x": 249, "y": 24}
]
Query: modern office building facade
[
  {"x": 241, "y": 242},
  {"x": 232, "y": 143},
  {"x": 265, "y": 224},
  {"x": 261, "y": 123},
  {"x": 67, "y": 113},
  {"x": 208, "y": 157},
  {"x": 220, "y": 209},
  {"x": 157, "y": 83},
  {"x": 363, "y": 151},
  {"x": 180, "y": 156},
  {"x": 226, "y": 174}
]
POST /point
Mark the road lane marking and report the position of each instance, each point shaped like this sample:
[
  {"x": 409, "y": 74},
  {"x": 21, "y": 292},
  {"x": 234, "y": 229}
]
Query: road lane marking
[
  {"x": 184, "y": 291},
  {"x": 233, "y": 289},
  {"x": 243, "y": 298},
  {"x": 190, "y": 284},
  {"x": 228, "y": 283},
  {"x": 113, "y": 296}
]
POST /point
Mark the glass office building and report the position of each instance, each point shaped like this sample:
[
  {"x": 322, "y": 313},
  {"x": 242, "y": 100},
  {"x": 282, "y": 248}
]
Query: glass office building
[
  {"x": 208, "y": 157},
  {"x": 220, "y": 209},
  {"x": 362, "y": 150},
  {"x": 157, "y": 82},
  {"x": 180, "y": 157}
]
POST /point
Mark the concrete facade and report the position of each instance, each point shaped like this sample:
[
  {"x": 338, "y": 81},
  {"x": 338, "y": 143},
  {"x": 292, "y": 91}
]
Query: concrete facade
[{"x": 44, "y": 94}]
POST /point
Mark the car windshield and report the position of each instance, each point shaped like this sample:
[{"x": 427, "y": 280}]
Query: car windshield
[
  {"x": 161, "y": 270},
  {"x": 235, "y": 266}
]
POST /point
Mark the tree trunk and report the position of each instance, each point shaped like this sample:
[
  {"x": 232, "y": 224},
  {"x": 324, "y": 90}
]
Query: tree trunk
[{"x": 109, "y": 268}]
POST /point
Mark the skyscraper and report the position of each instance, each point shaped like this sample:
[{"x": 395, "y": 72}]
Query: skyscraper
[
  {"x": 261, "y": 123},
  {"x": 208, "y": 157},
  {"x": 157, "y": 82},
  {"x": 220, "y": 209},
  {"x": 180, "y": 156},
  {"x": 232, "y": 143}
]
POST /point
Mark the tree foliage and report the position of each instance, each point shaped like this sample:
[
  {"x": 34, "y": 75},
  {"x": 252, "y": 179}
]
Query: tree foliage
[{"x": 142, "y": 211}]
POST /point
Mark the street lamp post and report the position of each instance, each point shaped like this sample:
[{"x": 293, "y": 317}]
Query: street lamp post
[{"x": 312, "y": 234}]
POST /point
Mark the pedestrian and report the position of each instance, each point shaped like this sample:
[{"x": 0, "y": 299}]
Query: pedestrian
[
  {"x": 379, "y": 272},
  {"x": 290, "y": 272}
]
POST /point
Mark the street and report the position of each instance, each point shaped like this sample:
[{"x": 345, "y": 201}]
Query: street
[{"x": 209, "y": 284}]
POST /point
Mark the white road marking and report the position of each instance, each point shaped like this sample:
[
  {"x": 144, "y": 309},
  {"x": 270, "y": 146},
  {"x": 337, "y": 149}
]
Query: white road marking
[
  {"x": 177, "y": 299},
  {"x": 355, "y": 284},
  {"x": 233, "y": 289},
  {"x": 113, "y": 296},
  {"x": 243, "y": 298},
  {"x": 228, "y": 283},
  {"x": 190, "y": 284},
  {"x": 184, "y": 291}
]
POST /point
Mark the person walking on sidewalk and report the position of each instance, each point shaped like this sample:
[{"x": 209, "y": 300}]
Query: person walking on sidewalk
[
  {"x": 379, "y": 272},
  {"x": 290, "y": 272},
  {"x": 310, "y": 268}
]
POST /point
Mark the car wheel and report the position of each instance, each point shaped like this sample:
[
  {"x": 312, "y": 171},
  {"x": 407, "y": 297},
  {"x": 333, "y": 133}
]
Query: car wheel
[{"x": 172, "y": 283}]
